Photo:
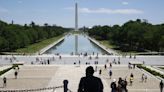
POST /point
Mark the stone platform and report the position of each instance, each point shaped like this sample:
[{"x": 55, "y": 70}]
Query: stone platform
[{"x": 43, "y": 76}]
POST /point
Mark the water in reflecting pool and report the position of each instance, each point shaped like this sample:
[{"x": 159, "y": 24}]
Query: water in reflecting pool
[{"x": 68, "y": 46}]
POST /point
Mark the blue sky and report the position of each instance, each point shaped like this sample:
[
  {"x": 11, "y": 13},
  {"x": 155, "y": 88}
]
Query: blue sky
[{"x": 91, "y": 12}]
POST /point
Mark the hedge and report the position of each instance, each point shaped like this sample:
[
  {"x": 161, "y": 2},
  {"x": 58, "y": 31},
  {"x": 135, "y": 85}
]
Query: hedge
[
  {"x": 151, "y": 71},
  {"x": 8, "y": 69}
]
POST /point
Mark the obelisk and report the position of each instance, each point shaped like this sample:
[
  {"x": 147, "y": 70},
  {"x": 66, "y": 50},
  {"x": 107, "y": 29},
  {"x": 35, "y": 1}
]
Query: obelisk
[
  {"x": 76, "y": 28},
  {"x": 76, "y": 17}
]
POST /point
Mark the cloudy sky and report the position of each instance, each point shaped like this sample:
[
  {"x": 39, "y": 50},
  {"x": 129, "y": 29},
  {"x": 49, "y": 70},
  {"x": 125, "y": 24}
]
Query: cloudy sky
[{"x": 91, "y": 12}]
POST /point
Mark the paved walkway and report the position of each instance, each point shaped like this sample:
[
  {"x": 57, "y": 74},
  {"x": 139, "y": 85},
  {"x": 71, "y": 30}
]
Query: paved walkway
[
  {"x": 29, "y": 77},
  {"x": 38, "y": 76}
]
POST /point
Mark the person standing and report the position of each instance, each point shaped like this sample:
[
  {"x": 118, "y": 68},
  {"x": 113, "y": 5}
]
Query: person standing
[
  {"x": 100, "y": 72},
  {"x": 110, "y": 74},
  {"x": 129, "y": 65},
  {"x": 105, "y": 66},
  {"x": 110, "y": 65},
  {"x": 90, "y": 83},
  {"x": 60, "y": 57},
  {"x": 145, "y": 78},
  {"x": 95, "y": 68},
  {"x": 142, "y": 78},
  {"x": 4, "y": 81},
  {"x": 124, "y": 86},
  {"x": 131, "y": 75},
  {"x": 134, "y": 66},
  {"x": 48, "y": 61},
  {"x": 16, "y": 74},
  {"x": 79, "y": 62},
  {"x": 119, "y": 87},
  {"x": 161, "y": 86},
  {"x": 113, "y": 86}
]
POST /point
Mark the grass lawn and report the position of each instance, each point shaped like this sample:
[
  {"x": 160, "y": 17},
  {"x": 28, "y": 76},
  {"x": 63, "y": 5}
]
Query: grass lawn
[
  {"x": 162, "y": 68},
  {"x": 106, "y": 44},
  {"x": 38, "y": 46}
]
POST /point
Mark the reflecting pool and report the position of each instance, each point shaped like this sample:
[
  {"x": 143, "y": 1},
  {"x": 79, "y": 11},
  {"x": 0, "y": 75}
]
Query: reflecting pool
[{"x": 67, "y": 46}]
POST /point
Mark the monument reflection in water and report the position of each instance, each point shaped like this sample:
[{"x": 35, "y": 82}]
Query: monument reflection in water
[{"x": 68, "y": 46}]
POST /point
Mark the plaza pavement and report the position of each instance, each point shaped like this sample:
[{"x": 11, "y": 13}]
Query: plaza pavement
[
  {"x": 42, "y": 76},
  {"x": 29, "y": 77}
]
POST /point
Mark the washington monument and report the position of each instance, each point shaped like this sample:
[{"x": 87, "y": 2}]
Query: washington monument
[
  {"x": 76, "y": 17},
  {"x": 76, "y": 28}
]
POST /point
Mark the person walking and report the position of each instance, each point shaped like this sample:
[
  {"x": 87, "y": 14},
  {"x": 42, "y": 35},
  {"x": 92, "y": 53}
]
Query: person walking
[
  {"x": 90, "y": 83},
  {"x": 143, "y": 78},
  {"x": 161, "y": 86},
  {"x": 110, "y": 74},
  {"x": 131, "y": 79}
]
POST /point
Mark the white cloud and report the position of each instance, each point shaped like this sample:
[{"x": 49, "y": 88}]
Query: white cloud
[
  {"x": 108, "y": 11},
  {"x": 111, "y": 11},
  {"x": 125, "y": 3}
]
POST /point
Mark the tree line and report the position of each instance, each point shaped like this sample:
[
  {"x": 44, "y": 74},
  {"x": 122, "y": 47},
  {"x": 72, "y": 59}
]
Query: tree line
[
  {"x": 138, "y": 35},
  {"x": 14, "y": 36}
]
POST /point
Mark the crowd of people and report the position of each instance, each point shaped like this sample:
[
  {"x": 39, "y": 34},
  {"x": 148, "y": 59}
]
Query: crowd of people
[
  {"x": 121, "y": 86},
  {"x": 91, "y": 83}
]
